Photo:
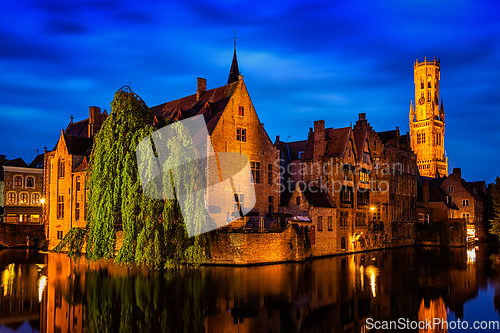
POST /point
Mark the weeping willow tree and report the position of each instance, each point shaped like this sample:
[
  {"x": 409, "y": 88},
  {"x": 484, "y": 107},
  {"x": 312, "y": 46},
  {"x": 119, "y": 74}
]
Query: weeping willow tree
[{"x": 153, "y": 229}]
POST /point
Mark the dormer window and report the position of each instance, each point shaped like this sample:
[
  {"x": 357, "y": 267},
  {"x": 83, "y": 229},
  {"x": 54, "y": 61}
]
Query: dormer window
[
  {"x": 241, "y": 111},
  {"x": 300, "y": 154}
]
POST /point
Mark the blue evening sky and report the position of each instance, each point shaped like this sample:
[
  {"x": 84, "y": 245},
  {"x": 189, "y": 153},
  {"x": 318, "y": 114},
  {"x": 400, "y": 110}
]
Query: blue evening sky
[{"x": 301, "y": 61}]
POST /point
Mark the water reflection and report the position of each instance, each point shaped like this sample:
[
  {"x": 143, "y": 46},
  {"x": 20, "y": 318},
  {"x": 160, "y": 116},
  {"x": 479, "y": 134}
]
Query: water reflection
[{"x": 334, "y": 294}]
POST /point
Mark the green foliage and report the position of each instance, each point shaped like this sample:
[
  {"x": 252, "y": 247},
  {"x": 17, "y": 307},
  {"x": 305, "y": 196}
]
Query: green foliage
[
  {"x": 73, "y": 242},
  {"x": 495, "y": 194},
  {"x": 153, "y": 230}
]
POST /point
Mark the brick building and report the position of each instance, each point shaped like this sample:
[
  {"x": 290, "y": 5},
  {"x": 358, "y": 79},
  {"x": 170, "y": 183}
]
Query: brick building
[
  {"x": 469, "y": 202},
  {"x": 233, "y": 126},
  {"x": 22, "y": 191},
  {"x": 65, "y": 170}
]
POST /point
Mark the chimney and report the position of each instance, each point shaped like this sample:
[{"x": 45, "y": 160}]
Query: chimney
[
  {"x": 425, "y": 191},
  {"x": 457, "y": 172},
  {"x": 94, "y": 120},
  {"x": 362, "y": 116},
  {"x": 277, "y": 138},
  {"x": 319, "y": 130},
  {"x": 201, "y": 87},
  {"x": 319, "y": 143}
]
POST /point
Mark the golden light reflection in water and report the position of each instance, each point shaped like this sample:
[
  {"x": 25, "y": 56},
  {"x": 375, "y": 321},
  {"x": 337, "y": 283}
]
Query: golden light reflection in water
[
  {"x": 42, "y": 283},
  {"x": 373, "y": 272},
  {"x": 471, "y": 255},
  {"x": 8, "y": 276}
]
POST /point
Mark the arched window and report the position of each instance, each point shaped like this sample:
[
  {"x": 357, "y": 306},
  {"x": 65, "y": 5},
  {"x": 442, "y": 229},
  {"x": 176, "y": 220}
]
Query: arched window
[
  {"x": 342, "y": 243},
  {"x": 30, "y": 182},
  {"x": 18, "y": 181},
  {"x": 422, "y": 85},
  {"x": 23, "y": 198},
  {"x": 61, "y": 168},
  {"x": 35, "y": 198},
  {"x": 11, "y": 198}
]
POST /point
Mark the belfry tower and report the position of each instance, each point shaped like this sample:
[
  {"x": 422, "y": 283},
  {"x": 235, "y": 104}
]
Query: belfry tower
[{"x": 427, "y": 120}]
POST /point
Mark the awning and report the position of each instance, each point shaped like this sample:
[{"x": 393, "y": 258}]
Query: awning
[{"x": 23, "y": 210}]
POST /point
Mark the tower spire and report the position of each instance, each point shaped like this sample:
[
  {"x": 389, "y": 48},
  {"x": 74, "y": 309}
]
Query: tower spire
[{"x": 234, "y": 72}]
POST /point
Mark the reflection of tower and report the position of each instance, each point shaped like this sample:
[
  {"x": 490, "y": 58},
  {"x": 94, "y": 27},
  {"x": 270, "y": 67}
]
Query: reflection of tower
[
  {"x": 435, "y": 310},
  {"x": 427, "y": 120}
]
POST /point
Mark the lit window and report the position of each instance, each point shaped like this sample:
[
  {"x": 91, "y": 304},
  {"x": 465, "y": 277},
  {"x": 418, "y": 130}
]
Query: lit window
[
  {"x": 30, "y": 182},
  {"x": 18, "y": 181},
  {"x": 255, "y": 166},
  {"x": 241, "y": 111},
  {"x": 35, "y": 198},
  {"x": 241, "y": 134},
  {"x": 466, "y": 216},
  {"x": 23, "y": 198},
  {"x": 11, "y": 198}
]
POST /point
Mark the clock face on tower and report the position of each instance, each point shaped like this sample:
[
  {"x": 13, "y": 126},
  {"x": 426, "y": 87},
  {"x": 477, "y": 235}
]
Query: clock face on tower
[{"x": 421, "y": 101}]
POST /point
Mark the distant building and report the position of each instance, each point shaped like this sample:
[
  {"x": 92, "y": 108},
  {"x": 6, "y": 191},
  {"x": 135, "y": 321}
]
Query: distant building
[
  {"x": 22, "y": 191},
  {"x": 427, "y": 120},
  {"x": 469, "y": 202}
]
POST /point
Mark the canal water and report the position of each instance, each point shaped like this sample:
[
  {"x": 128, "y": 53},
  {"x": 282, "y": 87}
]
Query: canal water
[{"x": 51, "y": 293}]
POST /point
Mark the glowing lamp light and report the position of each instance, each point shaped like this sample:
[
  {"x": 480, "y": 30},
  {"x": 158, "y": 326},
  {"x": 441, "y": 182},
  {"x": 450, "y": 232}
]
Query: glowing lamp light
[
  {"x": 372, "y": 208},
  {"x": 42, "y": 200}
]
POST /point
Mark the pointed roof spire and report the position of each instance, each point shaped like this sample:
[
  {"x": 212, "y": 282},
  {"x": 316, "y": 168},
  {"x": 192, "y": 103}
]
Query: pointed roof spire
[{"x": 234, "y": 72}]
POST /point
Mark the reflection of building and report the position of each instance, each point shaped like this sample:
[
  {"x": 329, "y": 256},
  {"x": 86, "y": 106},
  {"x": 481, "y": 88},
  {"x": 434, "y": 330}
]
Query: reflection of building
[
  {"x": 65, "y": 308},
  {"x": 427, "y": 120},
  {"x": 22, "y": 287}
]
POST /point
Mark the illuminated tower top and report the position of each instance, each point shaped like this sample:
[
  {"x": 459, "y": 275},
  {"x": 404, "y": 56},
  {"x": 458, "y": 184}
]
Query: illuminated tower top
[{"x": 427, "y": 120}]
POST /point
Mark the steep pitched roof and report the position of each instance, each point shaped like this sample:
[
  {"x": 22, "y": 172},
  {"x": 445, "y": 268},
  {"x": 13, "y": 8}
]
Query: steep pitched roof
[
  {"x": 316, "y": 196},
  {"x": 437, "y": 194},
  {"x": 359, "y": 135},
  {"x": 292, "y": 149},
  {"x": 234, "y": 72},
  {"x": 77, "y": 145},
  {"x": 37, "y": 162},
  {"x": 211, "y": 104},
  {"x": 480, "y": 186},
  {"x": 17, "y": 162},
  {"x": 387, "y": 136},
  {"x": 336, "y": 143},
  {"x": 81, "y": 128}
]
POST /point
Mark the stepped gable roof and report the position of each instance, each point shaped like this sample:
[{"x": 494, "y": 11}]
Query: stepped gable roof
[
  {"x": 316, "y": 196},
  {"x": 37, "y": 162},
  {"x": 77, "y": 145},
  {"x": 211, "y": 104},
  {"x": 17, "y": 162},
  {"x": 336, "y": 139}
]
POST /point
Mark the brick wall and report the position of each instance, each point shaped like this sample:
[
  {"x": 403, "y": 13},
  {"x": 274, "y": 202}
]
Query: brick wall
[{"x": 12, "y": 235}]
